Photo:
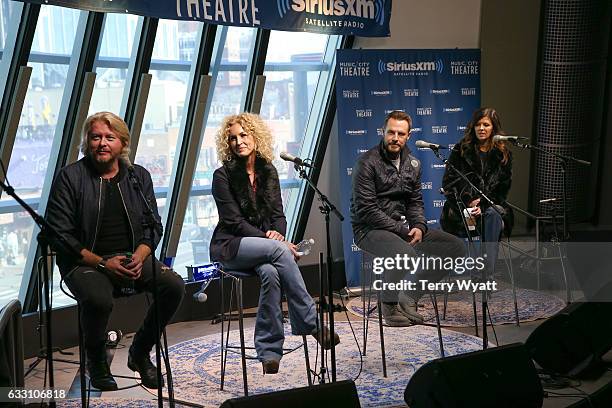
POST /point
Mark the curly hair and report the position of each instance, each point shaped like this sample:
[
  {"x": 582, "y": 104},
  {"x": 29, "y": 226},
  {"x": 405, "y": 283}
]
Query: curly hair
[
  {"x": 469, "y": 137},
  {"x": 116, "y": 124},
  {"x": 253, "y": 125}
]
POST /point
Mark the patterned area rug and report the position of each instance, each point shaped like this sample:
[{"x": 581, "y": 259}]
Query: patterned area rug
[
  {"x": 196, "y": 364},
  {"x": 532, "y": 305},
  {"x": 115, "y": 403}
]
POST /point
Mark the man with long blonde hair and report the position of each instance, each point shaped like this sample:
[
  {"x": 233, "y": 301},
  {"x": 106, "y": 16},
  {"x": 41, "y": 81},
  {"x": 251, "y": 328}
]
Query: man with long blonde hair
[{"x": 99, "y": 212}]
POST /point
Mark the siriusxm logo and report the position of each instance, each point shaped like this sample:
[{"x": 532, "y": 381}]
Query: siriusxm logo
[
  {"x": 424, "y": 111},
  {"x": 363, "y": 113},
  {"x": 426, "y": 185},
  {"x": 439, "y": 91},
  {"x": 381, "y": 93},
  {"x": 411, "y": 92},
  {"x": 369, "y": 9},
  {"x": 430, "y": 222},
  {"x": 349, "y": 171},
  {"x": 357, "y": 132},
  {"x": 359, "y": 151},
  {"x": 439, "y": 129},
  {"x": 416, "y": 130},
  {"x": 350, "y": 93},
  {"x": 453, "y": 110},
  {"x": 404, "y": 67},
  {"x": 438, "y": 166},
  {"x": 461, "y": 128},
  {"x": 438, "y": 203},
  {"x": 468, "y": 91}
]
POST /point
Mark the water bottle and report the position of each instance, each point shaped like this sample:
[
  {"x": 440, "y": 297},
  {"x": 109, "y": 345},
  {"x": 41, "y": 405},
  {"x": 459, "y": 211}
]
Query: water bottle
[
  {"x": 304, "y": 247},
  {"x": 127, "y": 287}
]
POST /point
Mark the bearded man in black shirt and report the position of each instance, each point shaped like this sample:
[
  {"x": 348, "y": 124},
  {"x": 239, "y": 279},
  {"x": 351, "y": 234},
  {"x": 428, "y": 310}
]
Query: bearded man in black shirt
[{"x": 99, "y": 212}]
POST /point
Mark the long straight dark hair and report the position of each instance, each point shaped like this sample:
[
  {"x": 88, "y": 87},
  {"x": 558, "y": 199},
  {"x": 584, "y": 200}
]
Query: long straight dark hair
[{"x": 469, "y": 137}]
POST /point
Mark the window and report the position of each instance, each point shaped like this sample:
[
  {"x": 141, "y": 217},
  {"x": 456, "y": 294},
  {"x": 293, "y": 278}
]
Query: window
[
  {"x": 170, "y": 65},
  {"x": 298, "y": 70},
  {"x": 111, "y": 66},
  {"x": 233, "y": 49},
  {"x": 294, "y": 66},
  {"x": 50, "y": 57}
]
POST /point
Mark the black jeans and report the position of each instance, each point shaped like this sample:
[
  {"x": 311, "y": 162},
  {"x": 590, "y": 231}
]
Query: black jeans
[
  {"x": 95, "y": 291},
  {"x": 435, "y": 243}
]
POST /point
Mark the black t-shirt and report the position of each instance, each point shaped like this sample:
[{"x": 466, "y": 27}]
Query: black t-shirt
[{"x": 115, "y": 235}]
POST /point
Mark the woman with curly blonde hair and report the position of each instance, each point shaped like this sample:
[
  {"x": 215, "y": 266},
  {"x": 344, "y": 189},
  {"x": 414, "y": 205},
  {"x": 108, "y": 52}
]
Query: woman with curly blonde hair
[{"x": 251, "y": 231}]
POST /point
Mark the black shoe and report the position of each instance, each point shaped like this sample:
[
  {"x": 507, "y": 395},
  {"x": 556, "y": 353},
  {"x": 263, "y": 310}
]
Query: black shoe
[
  {"x": 327, "y": 342},
  {"x": 100, "y": 375},
  {"x": 270, "y": 366},
  {"x": 146, "y": 369}
]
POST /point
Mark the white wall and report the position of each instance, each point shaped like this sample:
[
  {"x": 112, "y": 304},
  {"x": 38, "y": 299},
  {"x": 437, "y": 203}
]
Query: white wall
[{"x": 414, "y": 24}]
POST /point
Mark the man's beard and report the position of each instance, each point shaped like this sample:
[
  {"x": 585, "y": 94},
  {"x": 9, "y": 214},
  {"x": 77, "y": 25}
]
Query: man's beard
[{"x": 104, "y": 161}]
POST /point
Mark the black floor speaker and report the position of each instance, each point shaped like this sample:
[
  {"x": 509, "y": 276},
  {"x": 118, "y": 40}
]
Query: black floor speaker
[
  {"x": 500, "y": 377},
  {"x": 341, "y": 394},
  {"x": 573, "y": 341}
]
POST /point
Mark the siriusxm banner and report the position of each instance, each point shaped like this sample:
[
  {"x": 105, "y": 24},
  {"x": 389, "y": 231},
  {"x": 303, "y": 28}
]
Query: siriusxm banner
[
  {"x": 367, "y": 18},
  {"x": 439, "y": 89}
]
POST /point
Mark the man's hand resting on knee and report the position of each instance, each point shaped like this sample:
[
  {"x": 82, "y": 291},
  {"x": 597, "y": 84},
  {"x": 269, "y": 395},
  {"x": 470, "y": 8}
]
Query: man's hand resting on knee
[{"x": 415, "y": 236}]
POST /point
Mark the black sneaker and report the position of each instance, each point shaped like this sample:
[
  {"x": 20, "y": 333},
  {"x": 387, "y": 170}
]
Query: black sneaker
[{"x": 146, "y": 369}]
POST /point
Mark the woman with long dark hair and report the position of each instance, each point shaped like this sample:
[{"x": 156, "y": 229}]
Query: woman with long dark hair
[
  {"x": 251, "y": 231},
  {"x": 488, "y": 165}
]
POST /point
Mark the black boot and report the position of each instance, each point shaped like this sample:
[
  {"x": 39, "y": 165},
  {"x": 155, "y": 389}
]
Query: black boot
[
  {"x": 141, "y": 362},
  {"x": 99, "y": 371}
]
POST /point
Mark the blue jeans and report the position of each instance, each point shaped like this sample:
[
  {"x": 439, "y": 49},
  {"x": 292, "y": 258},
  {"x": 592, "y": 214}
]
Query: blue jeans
[{"x": 274, "y": 264}]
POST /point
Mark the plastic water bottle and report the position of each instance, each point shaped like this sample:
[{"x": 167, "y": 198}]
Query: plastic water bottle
[
  {"x": 304, "y": 247},
  {"x": 127, "y": 288}
]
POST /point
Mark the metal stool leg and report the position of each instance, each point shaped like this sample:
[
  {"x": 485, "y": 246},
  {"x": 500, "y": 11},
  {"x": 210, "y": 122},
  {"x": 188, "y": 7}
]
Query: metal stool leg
[
  {"x": 241, "y": 330},
  {"x": 223, "y": 345},
  {"x": 510, "y": 268},
  {"x": 434, "y": 301},
  {"x": 307, "y": 359},
  {"x": 382, "y": 337},
  {"x": 82, "y": 357}
]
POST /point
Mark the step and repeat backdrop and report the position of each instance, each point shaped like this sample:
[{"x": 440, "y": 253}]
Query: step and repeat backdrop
[{"x": 438, "y": 88}]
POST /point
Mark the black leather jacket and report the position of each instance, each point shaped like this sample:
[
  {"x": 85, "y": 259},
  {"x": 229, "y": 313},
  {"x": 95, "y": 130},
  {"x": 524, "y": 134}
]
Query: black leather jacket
[
  {"x": 495, "y": 179},
  {"x": 382, "y": 194},
  {"x": 76, "y": 206},
  {"x": 242, "y": 211}
]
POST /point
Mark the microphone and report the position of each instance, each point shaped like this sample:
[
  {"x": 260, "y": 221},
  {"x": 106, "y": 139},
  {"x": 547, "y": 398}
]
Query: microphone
[
  {"x": 291, "y": 158},
  {"x": 427, "y": 145},
  {"x": 200, "y": 296},
  {"x": 502, "y": 138}
]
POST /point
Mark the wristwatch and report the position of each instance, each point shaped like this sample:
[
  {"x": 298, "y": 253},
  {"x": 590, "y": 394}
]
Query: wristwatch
[{"x": 101, "y": 266}]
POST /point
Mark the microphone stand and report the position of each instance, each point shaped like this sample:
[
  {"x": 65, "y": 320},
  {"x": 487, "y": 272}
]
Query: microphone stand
[
  {"x": 326, "y": 208},
  {"x": 46, "y": 235},
  {"x": 485, "y": 306},
  {"x": 153, "y": 226},
  {"x": 462, "y": 207},
  {"x": 563, "y": 161}
]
